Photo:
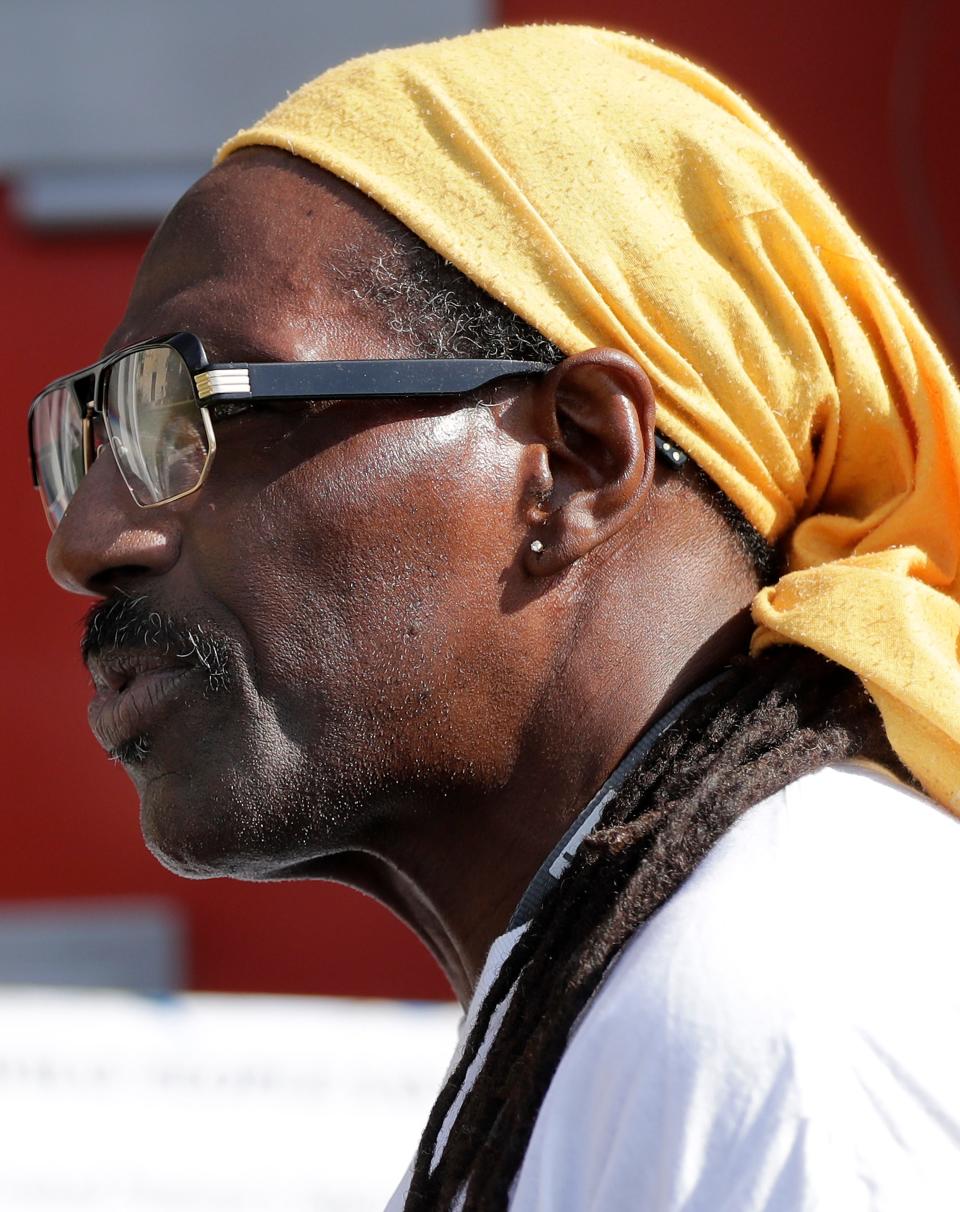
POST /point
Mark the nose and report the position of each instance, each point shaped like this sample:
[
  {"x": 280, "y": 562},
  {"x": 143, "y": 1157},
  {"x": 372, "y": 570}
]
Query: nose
[{"x": 105, "y": 539}]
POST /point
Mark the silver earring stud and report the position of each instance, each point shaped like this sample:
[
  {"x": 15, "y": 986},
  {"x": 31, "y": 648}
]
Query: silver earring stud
[{"x": 536, "y": 547}]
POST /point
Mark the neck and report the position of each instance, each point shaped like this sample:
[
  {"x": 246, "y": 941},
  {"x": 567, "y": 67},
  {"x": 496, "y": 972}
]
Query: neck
[
  {"x": 459, "y": 892},
  {"x": 455, "y": 869}
]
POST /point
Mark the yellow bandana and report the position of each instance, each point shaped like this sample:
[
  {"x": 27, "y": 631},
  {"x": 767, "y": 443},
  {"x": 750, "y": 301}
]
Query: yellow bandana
[{"x": 612, "y": 193}]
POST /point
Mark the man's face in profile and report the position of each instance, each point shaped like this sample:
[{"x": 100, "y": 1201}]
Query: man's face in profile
[{"x": 329, "y": 595}]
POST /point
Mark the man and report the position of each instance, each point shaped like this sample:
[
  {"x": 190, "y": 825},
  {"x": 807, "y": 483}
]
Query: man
[{"x": 405, "y": 629}]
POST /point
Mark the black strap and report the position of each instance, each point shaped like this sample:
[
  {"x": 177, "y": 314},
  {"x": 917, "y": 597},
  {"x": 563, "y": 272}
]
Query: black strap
[{"x": 551, "y": 870}]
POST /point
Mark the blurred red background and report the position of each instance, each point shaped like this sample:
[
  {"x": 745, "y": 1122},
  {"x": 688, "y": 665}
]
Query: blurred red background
[{"x": 866, "y": 92}]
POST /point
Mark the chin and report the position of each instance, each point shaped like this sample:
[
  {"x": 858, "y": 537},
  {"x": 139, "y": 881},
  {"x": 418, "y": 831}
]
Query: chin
[
  {"x": 182, "y": 851},
  {"x": 200, "y": 832},
  {"x": 192, "y": 835},
  {"x": 271, "y": 816}
]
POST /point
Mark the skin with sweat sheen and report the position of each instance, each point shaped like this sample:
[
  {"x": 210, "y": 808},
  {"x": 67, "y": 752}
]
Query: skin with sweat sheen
[{"x": 397, "y": 653}]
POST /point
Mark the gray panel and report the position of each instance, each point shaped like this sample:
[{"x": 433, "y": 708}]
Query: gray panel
[
  {"x": 117, "y": 944},
  {"x": 95, "y": 197},
  {"x": 149, "y": 81}
]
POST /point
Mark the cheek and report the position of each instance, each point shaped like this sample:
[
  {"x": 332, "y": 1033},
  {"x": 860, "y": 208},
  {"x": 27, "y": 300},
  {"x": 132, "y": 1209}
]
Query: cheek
[{"x": 369, "y": 595}]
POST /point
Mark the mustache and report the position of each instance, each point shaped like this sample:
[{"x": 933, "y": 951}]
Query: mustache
[{"x": 133, "y": 623}]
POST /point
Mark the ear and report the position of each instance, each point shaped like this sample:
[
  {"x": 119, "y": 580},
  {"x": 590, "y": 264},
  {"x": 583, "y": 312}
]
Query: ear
[{"x": 591, "y": 457}]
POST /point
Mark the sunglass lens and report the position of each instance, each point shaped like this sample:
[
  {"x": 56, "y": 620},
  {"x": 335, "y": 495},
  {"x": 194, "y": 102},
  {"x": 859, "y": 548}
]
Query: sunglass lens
[
  {"x": 155, "y": 424},
  {"x": 56, "y": 435}
]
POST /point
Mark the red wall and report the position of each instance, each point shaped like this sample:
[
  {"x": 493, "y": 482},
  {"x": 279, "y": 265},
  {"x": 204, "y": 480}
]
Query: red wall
[{"x": 866, "y": 91}]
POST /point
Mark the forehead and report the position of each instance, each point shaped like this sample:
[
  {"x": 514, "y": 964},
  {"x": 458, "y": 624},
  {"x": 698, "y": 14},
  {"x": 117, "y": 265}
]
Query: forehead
[{"x": 252, "y": 259}]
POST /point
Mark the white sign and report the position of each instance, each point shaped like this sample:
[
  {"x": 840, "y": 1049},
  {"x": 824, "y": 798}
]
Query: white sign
[{"x": 114, "y": 1103}]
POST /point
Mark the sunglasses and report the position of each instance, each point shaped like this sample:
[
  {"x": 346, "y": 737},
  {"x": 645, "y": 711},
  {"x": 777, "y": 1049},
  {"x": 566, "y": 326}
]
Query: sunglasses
[{"x": 157, "y": 403}]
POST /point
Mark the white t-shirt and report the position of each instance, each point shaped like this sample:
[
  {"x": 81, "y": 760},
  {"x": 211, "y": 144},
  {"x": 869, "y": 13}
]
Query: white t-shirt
[{"x": 783, "y": 1035}]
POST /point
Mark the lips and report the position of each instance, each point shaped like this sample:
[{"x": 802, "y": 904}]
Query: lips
[{"x": 133, "y": 692}]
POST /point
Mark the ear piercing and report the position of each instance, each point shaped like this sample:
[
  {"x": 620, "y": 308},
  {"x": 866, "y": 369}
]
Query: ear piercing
[{"x": 667, "y": 450}]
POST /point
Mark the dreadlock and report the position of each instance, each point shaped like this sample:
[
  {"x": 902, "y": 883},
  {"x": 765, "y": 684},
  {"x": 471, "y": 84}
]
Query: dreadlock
[{"x": 769, "y": 721}]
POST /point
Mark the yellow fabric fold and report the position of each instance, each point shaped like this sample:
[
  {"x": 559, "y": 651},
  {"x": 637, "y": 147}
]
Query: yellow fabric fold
[{"x": 612, "y": 193}]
